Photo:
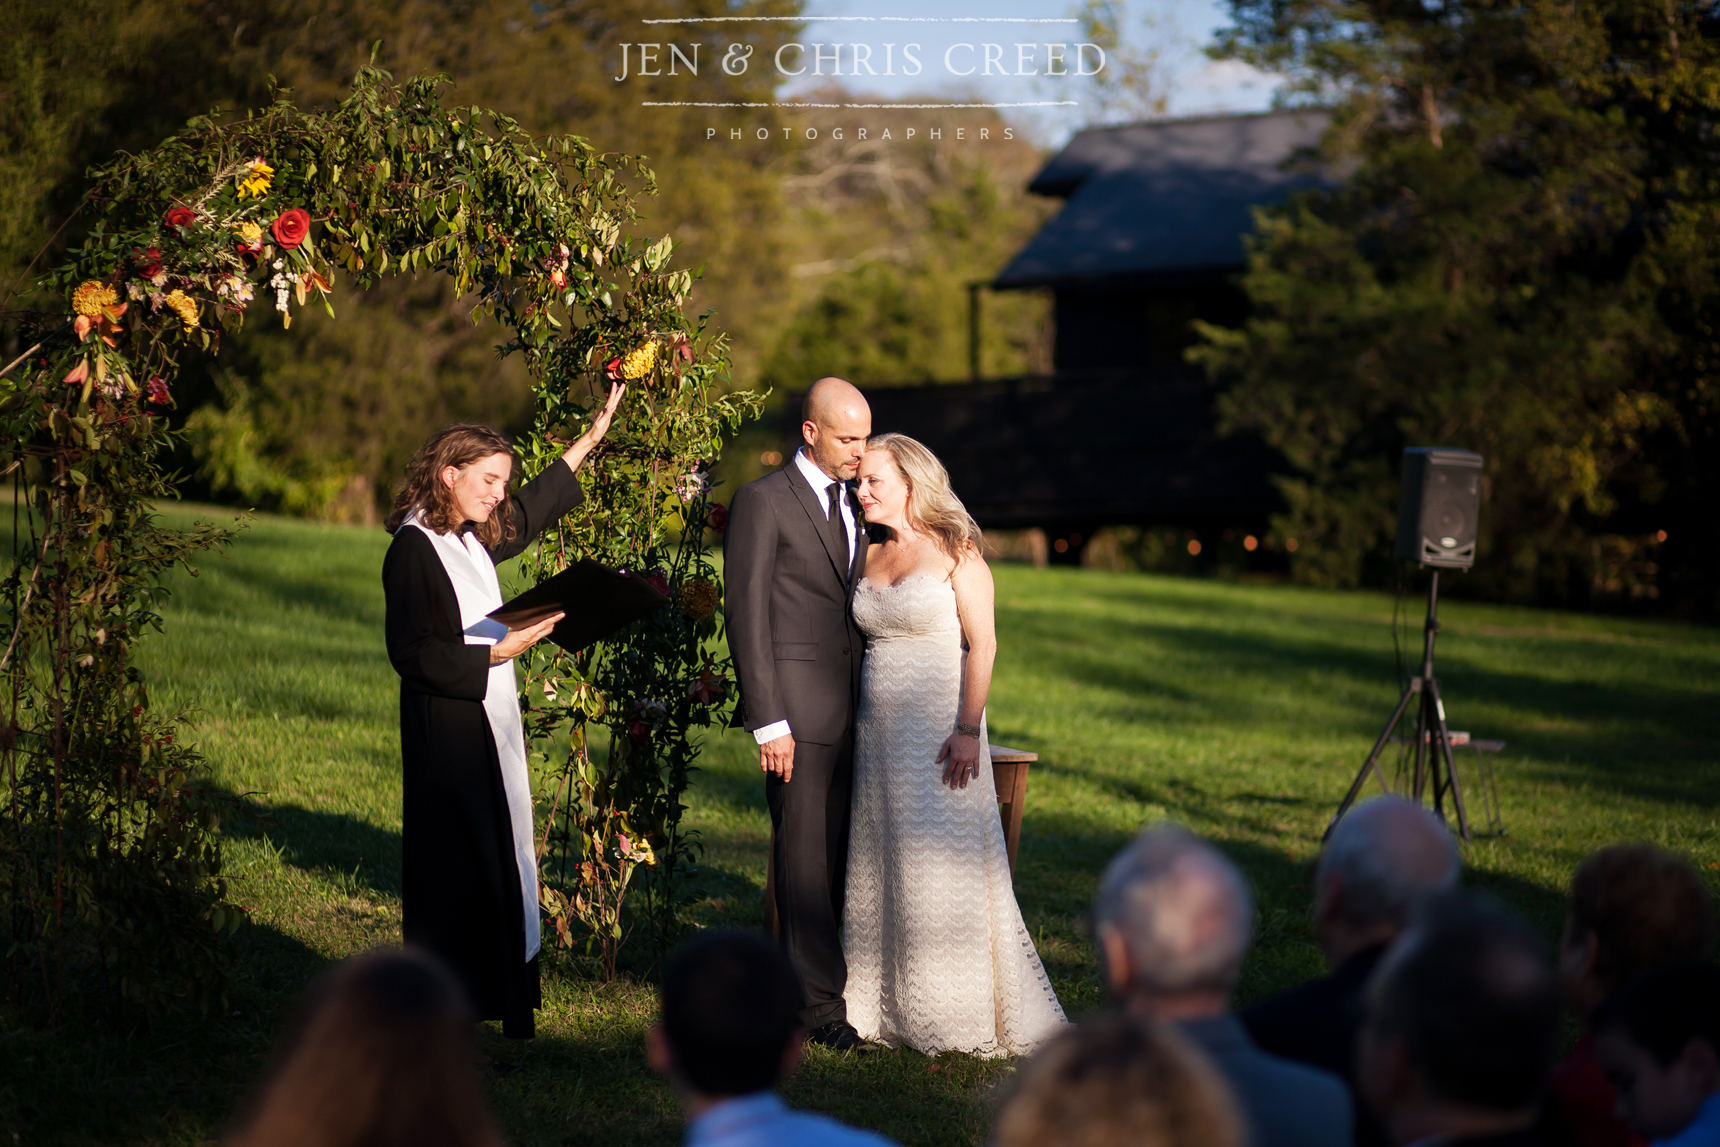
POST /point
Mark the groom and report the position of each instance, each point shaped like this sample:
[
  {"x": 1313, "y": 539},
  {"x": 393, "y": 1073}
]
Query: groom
[{"x": 792, "y": 552}]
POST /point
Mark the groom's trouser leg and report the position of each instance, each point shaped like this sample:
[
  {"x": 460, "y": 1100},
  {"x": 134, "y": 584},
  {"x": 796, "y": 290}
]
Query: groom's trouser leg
[{"x": 810, "y": 867}]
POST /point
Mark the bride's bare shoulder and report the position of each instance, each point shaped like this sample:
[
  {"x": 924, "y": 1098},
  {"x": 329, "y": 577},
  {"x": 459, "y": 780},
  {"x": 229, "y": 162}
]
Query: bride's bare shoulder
[{"x": 970, "y": 569}]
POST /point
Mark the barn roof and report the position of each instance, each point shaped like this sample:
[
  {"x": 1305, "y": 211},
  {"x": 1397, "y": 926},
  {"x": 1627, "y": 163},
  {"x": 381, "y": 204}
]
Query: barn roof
[{"x": 1155, "y": 200}]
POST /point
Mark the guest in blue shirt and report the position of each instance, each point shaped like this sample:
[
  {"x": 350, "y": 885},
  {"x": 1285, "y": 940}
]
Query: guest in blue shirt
[
  {"x": 1659, "y": 1043},
  {"x": 730, "y": 1029}
]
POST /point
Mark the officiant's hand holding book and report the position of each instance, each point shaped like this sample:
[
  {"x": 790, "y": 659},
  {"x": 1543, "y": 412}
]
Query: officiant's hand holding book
[
  {"x": 519, "y": 640},
  {"x": 584, "y": 603}
]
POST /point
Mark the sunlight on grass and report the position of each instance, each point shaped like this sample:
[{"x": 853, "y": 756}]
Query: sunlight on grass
[{"x": 1240, "y": 710}]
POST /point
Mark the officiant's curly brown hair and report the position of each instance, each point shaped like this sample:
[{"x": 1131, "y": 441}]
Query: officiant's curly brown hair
[{"x": 424, "y": 490}]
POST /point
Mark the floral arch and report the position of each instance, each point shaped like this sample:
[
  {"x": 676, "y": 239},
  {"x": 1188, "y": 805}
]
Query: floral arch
[{"x": 109, "y": 858}]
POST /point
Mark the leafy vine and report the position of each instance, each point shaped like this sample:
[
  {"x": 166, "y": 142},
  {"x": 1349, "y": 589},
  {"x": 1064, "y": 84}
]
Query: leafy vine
[{"x": 109, "y": 853}]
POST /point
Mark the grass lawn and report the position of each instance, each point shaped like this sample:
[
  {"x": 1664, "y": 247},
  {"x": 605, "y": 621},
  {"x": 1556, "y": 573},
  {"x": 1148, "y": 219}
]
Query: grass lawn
[{"x": 1240, "y": 710}]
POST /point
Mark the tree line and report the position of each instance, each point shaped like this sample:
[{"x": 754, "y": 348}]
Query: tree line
[
  {"x": 1522, "y": 260},
  {"x": 320, "y": 422}
]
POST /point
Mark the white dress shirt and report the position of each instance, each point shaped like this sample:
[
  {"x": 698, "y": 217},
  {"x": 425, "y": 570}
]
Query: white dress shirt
[
  {"x": 761, "y": 1120},
  {"x": 820, "y": 483}
]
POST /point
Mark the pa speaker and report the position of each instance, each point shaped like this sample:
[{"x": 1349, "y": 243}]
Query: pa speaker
[{"x": 1438, "y": 507}]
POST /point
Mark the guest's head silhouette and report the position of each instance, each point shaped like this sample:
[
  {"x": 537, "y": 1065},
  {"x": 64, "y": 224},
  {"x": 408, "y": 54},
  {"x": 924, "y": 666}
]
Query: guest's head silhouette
[{"x": 380, "y": 1056}]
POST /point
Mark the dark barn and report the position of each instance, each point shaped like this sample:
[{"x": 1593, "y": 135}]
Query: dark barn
[{"x": 1150, "y": 239}]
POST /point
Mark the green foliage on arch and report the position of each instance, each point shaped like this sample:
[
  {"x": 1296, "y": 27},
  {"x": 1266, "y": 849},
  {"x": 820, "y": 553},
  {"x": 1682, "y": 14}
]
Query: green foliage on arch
[{"x": 108, "y": 854}]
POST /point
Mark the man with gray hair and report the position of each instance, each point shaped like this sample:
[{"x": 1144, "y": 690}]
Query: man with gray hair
[
  {"x": 1384, "y": 859},
  {"x": 1174, "y": 919}
]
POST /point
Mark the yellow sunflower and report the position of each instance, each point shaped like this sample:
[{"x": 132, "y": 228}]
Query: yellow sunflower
[{"x": 256, "y": 179}]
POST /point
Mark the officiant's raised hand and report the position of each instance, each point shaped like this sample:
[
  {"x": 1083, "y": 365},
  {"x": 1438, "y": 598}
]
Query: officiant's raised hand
[
  {"x": 519, "y": 640},
  {"x": 583, "y": 445}
]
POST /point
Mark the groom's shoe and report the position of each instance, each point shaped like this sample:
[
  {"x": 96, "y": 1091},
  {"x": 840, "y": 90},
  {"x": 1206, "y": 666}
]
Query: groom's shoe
[{"x": 839, "y": 1035}]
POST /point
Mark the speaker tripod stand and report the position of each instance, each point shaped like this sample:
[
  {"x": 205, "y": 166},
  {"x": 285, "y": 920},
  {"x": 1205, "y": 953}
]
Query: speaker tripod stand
[{"x": 1434, "y": 766}]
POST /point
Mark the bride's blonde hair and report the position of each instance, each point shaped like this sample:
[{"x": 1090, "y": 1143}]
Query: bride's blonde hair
[{"x": 932, "y": 504}]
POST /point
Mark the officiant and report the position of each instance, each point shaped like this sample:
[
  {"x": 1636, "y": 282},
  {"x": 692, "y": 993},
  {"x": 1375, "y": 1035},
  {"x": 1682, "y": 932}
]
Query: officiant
[{"x": 470, "y": 873}]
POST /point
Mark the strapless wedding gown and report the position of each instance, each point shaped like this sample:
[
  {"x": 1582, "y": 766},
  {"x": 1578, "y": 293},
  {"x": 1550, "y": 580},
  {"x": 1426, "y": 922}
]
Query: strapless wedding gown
[{"x": 938, "y": 956}]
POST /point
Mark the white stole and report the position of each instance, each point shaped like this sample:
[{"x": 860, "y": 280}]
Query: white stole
[{"x": 478, "y": 590}]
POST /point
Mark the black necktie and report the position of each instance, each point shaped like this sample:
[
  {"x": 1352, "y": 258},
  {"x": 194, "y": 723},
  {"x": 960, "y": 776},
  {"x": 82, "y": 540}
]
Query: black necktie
[{"x": 838, "y": 532}]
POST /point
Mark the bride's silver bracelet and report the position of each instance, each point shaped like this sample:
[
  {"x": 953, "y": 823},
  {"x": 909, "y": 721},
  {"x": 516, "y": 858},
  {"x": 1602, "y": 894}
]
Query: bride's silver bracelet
[{"x": 967, "y": 730}]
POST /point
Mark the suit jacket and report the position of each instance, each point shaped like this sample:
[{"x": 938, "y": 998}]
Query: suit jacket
[
  {"x": 796, "y": 649},
  {"x": 1318, "y": 1024},
  {"x": 1284, "y": 1104}
]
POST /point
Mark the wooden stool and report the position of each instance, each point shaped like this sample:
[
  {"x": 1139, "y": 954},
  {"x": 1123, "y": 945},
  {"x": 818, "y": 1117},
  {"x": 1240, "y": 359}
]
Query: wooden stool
[
  {"x": 1009, "y": 774},
  {"x": 1009, "y": 771}
]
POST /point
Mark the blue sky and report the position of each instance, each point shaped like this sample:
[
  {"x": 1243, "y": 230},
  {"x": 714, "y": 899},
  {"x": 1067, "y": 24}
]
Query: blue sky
[{"x": 1179, "y": 29}]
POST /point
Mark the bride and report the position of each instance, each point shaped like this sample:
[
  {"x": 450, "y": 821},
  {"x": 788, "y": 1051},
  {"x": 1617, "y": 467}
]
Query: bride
[{"x": 938, "y": 957}]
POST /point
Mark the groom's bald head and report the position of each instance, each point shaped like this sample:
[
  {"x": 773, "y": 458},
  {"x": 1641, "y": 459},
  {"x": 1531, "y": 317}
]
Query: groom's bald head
[
  {"x": 831, "y": 398},
  {"x": 835, "y": 422}
]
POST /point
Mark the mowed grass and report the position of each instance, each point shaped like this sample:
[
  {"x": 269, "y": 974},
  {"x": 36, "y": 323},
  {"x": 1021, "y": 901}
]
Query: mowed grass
[{"x": 1240, "y": 710}]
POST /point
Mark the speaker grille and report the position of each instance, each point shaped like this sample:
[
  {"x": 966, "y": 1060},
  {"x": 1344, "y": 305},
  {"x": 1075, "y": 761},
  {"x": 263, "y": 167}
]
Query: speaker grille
[{"x": 1439, "y": 507}]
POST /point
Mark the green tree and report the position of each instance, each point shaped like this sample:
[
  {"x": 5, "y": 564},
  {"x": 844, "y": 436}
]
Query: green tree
[
  {"x": 321, "y": 424},
  {"x": 889, "y": 236},
  {"x": 1520, "y": 260}
]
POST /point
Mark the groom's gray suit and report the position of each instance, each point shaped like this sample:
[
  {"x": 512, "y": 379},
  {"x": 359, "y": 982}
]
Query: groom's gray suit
[{"x": 797, "y": 655}]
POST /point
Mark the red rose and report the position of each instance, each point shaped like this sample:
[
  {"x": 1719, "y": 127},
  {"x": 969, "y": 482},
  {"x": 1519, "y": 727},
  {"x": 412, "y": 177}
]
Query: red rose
[
  {"x": 719, "y": 517},
  {"x": 659, "y": 582},
  {"x": 292, "y": 227},
  {"x": 148, "y": 262},
  {"x": 157, "y": 391},
  {"x": 612, "y": 369},
  {"x": 178, "y": 217},
  {"x": 639, "y": 732}
]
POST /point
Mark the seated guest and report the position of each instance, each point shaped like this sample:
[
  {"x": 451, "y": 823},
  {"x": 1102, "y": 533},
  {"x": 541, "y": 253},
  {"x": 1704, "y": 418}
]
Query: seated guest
[
  {"x": 380, "y": 1056},
  {"x": 1119, "y": 1080},
  {"x": 730, "y": 1029},
  {"x": 1174, "y": 920},
  {"x": 1461, "y": 1027},
  {"x": 1633, "y": 906},
  {"x": 1383, "y": 858},
  {"x": 1659, "y": 1041}
]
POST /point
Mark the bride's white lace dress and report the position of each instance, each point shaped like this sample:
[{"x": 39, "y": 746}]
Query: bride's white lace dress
[{"x": 938, "y": 957}]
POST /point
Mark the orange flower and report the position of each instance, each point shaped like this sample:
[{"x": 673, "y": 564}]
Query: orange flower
[
  {"x": 105, "y": 324},
  {"x": 92, "y": 297}
]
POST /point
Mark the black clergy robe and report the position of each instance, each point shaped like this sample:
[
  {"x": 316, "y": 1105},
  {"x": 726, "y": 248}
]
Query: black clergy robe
[{"x": 460, "y": 881}]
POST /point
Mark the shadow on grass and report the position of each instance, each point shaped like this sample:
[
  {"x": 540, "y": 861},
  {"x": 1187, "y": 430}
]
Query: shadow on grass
[
  {"x": 178, "y": 1080},
  {"x": 356, "y": 856}
]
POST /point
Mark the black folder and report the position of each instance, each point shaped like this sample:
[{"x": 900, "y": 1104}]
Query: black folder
[{"x": 598, "y": 602}]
